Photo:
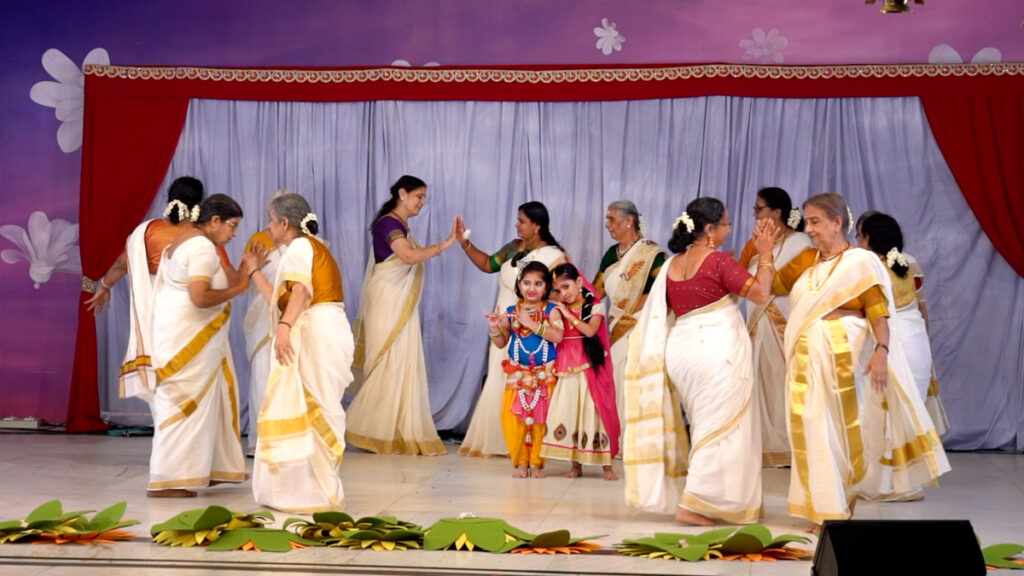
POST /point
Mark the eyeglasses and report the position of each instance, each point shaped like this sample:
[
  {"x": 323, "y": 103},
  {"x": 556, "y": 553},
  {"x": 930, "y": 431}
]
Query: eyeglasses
[
  {"x": 759, "y": 207},
  {"x": 232, "y": 223}
]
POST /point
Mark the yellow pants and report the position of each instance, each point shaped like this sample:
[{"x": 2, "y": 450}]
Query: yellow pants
[{"x": 516, "y": 430}]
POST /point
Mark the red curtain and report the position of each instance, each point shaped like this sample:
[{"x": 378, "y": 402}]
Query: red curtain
[
  {"x": 127, "y": 145},
  {"x": 982, "y": 140},
  {"x": 134, "y": 117}
]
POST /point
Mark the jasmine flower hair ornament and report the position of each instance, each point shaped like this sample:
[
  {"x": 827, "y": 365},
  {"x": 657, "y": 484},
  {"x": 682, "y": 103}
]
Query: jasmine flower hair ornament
[
  {"x": 685, "y": 220},
  {"x": 310, "y": 217},
  {"x": 794, "y": 218},
  {"x": 183, "y": 213}
]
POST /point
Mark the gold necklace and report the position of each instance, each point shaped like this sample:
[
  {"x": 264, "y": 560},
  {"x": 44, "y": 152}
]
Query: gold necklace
[
  {"x": 813, "y": 285},
  {"x": 620, "y": 251}
]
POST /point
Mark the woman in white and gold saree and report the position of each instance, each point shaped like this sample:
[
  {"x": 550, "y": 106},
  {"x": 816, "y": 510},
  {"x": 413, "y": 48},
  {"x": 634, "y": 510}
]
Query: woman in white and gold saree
[
  {"x": 391, "y": 411},
  {"x": 196, "y": 440},
  {"x": 857, "y": 426},
  {"x": 766, "y": 322},
  {"x": 691, "y": 346},
  {"x": 626, "y": 275},
  {"x": 534, "y": 244},
  {"x": 881, "y": 234},
  {"x": 301, "y": 422}
]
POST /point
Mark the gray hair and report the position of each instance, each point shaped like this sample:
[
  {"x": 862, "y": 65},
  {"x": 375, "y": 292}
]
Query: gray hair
[
  {"x": 626, "y": 208},
  {"x": 833, "y": 205},
  {"x": 294, "y": 209}
]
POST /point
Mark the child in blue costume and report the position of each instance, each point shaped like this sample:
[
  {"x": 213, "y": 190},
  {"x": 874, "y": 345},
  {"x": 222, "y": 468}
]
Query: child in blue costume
[{"x": 531, "y": 327}]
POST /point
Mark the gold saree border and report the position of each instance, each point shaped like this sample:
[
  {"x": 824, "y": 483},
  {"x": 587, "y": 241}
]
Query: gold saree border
[
  {"x": 696, "y": 504},
  {"x": 198, "y": 342},
  {"x": 408, "y": 309},
  {"x": 398, "y": 445},
  {"x": 189, "y": 406}
]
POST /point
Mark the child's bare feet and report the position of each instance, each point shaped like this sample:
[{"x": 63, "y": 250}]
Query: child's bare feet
[
  {"x": 609, "y": 474},
  {"x": 575, "y": 472},
  {"x": 521, "y": 472},
  {"x": 537, "y": 472},
  {"x": 685, "y": 516}
]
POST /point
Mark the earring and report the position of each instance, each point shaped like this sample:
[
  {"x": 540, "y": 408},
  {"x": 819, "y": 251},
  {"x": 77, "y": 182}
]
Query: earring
[{"x": 711, "y": 243}]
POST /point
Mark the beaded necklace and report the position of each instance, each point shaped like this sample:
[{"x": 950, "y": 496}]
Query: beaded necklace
[
  {"x": 542, "y": 348},
  {"x": 529, "y": 406},
  {"x": 813, "y": 285}
]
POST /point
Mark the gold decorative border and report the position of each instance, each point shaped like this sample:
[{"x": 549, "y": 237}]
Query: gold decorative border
[{"x": 558, "y": 76}]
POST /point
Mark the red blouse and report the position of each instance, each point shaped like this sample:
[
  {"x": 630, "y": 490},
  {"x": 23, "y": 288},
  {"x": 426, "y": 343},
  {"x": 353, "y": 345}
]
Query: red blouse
[{"x": 717, "y": 276}]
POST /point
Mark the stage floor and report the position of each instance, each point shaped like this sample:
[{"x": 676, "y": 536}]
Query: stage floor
[{"x": 92, "y": 472}]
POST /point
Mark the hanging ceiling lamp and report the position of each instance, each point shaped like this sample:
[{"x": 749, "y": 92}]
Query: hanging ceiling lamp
[{"x": 895, "y": 6}]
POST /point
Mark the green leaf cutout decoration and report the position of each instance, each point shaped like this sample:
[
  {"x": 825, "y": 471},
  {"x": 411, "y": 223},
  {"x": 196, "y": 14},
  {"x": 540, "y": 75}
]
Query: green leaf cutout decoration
[
  {"x": 338, "y": 529},
  {"x": 492, "y": 535},
  {"x": 50, "y": 523},
  {"x": 999, "y": 555},
  {"x": 749, "y": 541},
  {"x": 262, "y": 539},
  {"x": 203, "y": 526}
]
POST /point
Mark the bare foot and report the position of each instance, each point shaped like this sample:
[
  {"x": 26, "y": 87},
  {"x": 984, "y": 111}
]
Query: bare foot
[
  {"x": 609, "y": 474},
  {"x": 537, "y": 472},
  {"x": 575, "y": 472},
  {"x": 171, "y": 493},
  {"x": 813, "y": 529},
  {"x": 685, "y": 516},
  {"x": 521, "y": 472}
]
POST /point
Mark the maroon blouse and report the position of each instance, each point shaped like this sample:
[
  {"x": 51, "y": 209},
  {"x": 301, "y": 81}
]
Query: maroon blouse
[{"x": 718, "y": 275}]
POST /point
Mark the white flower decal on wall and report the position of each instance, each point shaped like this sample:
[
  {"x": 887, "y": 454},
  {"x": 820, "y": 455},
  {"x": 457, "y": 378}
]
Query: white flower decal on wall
[
  {"x": 405, "y": 64},
  {"x": 764, "y": 48},
  {"x": 67, "y": 95},
  {"x": 48, "y": 246},
  {"x": 608, "y": 38},
  {"x": 946, "y": 54}
]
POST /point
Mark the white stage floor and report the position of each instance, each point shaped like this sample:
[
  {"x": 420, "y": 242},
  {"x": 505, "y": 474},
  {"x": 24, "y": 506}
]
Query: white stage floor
[{"x": 92, "y": 472}]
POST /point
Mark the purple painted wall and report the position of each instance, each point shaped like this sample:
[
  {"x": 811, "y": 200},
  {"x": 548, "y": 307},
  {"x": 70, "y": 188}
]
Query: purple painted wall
[{"x": 39, "y": 146}]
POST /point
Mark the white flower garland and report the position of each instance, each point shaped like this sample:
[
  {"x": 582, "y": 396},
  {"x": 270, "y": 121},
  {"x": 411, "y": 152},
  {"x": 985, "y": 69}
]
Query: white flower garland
[
  {"x": 849, "y": 220},
  {"x": 641, "y": 226},
  {"x": 895, "y": 256},
  {"x": 685, "y": 220},
  {"x": 194, "y": 217},
  {"x": 794, "y": 218},
  {"x": 310, "y": 217},
  {"x": 183, "y": 213}
]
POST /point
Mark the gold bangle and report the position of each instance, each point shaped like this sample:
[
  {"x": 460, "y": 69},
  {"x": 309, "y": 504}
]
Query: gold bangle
[
  {"x": 495, "y": 336},
  {"x": 541, "y": 328},
  {"x": 765, "y": 264}
]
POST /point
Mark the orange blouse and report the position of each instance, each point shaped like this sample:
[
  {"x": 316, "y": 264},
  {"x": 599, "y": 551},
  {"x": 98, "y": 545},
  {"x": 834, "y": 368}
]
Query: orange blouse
[
  {"x": 326, "y": 278},
  {"x": 159, "y": 235}
]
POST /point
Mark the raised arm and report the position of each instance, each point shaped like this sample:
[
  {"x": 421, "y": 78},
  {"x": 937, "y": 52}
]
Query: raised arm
[
  {"x": 410, "y": 254},
  {"x": 765, "y": 233}
]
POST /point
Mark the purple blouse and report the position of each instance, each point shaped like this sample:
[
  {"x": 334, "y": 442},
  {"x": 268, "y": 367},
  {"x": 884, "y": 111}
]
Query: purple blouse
[{"x": 384, "y": 232}]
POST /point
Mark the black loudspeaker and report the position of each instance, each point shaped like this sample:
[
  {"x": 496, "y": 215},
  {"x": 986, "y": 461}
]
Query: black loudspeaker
[{"x": 903, "y": 547}]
